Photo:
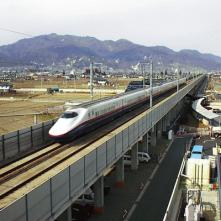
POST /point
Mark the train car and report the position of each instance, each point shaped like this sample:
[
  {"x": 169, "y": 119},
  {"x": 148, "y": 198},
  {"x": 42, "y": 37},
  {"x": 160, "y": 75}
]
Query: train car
[{"x": 80, "y": 120}]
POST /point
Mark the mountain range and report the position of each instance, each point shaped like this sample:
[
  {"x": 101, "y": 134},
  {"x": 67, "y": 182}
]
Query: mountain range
[{"x": 77, "y": 51}]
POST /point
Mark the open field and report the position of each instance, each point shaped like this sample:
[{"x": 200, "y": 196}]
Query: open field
[
  {"x": 26, "y": 103},
  {"x": 35, "y": 103},
  {"x": 12, "y": 123},
  {"x": 217, "y": 86},
  {"x": 115, "y": 83}
]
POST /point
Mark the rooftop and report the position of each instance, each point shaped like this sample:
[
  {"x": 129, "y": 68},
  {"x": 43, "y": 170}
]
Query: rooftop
[
  {"x": 197, "y": 148},
  {"x": 203, "y": 111}
]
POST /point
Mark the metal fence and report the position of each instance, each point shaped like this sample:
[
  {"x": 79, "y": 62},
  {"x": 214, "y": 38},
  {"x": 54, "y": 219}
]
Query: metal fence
[{"x": 20, "y": 141}]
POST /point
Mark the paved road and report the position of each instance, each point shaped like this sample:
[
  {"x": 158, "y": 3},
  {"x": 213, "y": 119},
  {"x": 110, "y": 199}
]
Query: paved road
[
  {"x": 154, "y": 202},
  {"x": 119, "y": 201}
]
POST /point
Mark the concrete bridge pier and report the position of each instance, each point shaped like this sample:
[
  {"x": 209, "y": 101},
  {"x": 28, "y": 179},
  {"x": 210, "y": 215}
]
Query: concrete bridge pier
[
  {"x": 177, "y": 110},
  {"x": 66, "y": 215},
  {"x": 181, "y": 106},
  {"x": 153, "y": 140},
  {"x": 134, "y": 157},
  {"x": 99, "y": 195},
  {"x": 168, "y": 119},
  {"x": 120, "y": 172},
  {"x": 164, "y": 124},
  {"x": 143, "y": 144},
  {"x": 173, "y": 114},
  {"x": 159, "y": 128}
]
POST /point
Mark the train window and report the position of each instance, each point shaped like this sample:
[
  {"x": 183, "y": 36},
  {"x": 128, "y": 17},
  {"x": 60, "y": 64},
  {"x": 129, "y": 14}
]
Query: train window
[{"x": 69, "y": 115}]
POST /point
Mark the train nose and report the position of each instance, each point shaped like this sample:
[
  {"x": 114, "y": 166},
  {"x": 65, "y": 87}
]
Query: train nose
[{"x": 60, "y": 128}]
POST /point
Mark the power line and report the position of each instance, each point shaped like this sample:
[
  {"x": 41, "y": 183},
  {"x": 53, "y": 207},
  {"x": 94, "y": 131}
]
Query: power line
[{"x": 16, "y": 32}]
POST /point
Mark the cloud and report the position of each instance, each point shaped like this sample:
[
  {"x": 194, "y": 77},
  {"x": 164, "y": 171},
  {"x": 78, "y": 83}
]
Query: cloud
[{"x": 174, "y": 23}]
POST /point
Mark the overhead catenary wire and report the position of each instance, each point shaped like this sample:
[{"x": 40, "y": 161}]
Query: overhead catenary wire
[
  {"x": 19, "y": 33},
  {"x": 15, "y": 32}
]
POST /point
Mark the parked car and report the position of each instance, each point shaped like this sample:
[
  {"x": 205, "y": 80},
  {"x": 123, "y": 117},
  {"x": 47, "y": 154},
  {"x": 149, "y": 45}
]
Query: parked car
[
  {"x": 142, "y": 157},
  {"x": 197, "y": 152}
]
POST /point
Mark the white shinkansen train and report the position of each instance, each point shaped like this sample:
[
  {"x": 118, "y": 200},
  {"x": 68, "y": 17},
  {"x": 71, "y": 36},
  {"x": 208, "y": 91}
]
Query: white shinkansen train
[{"x": 80, "y": 120}]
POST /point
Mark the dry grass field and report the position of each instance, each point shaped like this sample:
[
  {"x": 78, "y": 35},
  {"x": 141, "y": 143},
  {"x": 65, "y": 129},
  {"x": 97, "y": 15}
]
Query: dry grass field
[
  {"x": 24, "y": 106},
  {"x": 119, "y": 83},
  {"x": 217, "y": 85},
  {"x": 26, "y": 103}
]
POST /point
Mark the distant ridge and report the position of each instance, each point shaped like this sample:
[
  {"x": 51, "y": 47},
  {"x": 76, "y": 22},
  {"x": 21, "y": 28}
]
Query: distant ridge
[{"x": 56, "y": 49}]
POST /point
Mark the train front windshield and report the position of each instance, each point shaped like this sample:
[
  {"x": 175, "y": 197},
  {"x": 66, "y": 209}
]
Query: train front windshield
[{"x": 69, "y": 115}]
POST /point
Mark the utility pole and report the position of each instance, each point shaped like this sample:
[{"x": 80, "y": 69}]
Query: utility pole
[
  {"x": 142, "y": 73},
  {"x": 177, "y": 76},
  {"x": 151, "y": 83},
  {"x": 74, "y": 80},
  {"x": 41, "y": 81},
  {"x": 94, "y": 65},
  {"x": 91, "y": 81},
  {"x": 142, "y": 68}
]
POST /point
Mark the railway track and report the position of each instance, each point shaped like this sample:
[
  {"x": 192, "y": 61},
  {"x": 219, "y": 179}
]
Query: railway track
[{"x": 16, "y": 175}]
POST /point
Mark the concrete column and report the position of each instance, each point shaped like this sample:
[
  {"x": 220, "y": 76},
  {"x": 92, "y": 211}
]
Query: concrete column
[
  {"x": 177, "y": 108},
  {"x": 134, "y": 157},
  {"x": 176, "y": 111},
  {"x": 153, "y": 140},
  {"x": 120, "y": 172},
  {"x": 180, "y": 105},
  {"x": 172, "y": 115},
  {"x": 66, "y": 215},
  {"x": 149, "y": 138},
  {"x": 164, "y": 124},
  {"x": 143, "y": 145},
  {"x": 99, "y": 195},
  {"x": 168, "y": 119},
  {"x": 146, "y": 137},
  {"x": 159, "y": 129}
]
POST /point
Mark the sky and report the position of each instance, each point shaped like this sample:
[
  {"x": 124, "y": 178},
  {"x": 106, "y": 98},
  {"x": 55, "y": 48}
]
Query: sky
[{"x": 177, "y": 24}]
